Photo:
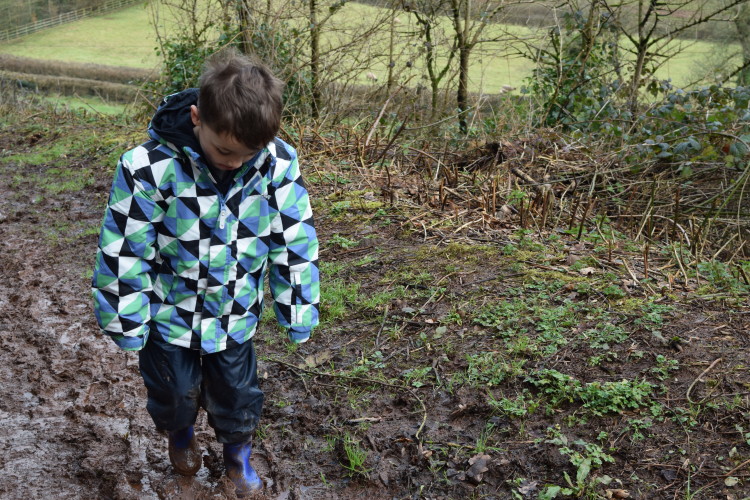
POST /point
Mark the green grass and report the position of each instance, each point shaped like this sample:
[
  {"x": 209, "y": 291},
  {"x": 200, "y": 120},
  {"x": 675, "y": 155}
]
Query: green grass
[
  {"x": 122, "y": 38},
  {"x": 88, "y": 104}
]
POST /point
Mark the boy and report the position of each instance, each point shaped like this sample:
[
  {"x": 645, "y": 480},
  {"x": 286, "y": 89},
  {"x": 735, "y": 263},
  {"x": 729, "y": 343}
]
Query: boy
[{"x": 195, "y": 217}]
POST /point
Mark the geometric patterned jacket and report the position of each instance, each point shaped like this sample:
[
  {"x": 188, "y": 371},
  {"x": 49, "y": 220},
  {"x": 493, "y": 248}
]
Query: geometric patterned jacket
[{"x": 179, "y": 259}]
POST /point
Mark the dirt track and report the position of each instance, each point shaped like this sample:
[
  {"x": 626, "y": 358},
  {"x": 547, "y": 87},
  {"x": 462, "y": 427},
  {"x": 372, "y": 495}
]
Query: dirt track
[{"x": 75, "y": 424}]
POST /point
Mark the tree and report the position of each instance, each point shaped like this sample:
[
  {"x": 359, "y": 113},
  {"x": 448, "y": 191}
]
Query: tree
[
  {"x": 469, "y": 21},
  {"x": 742, "y": 23},
  {"x": 656, "y": 24},
  {"x": 428, "y": 14}
]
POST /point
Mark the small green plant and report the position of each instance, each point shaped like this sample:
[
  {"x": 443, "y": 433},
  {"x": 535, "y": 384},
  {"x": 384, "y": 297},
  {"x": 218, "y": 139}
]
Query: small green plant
[
  {"x": 720, "y": 276},
  {"x": 584, "y": 457},
  {"x": 365, "y": 364},
  {"x": 664, "y": 366},
  {"x": 339, "y": 207},
  {"x": 375, "y": 300},
  {"x": 637, "y": 427},
  {"x": 488, "y": 369},
  {"x": 744, "y": 433},
  {"x": 652, "y": 315},
  {"x": 355, "y": 458},
  {"x": 335, "y": 298},
  {"x": 599, "y": 398},
  {"x": 342, "y": 241},
  {"x": 483, "y": 440},
  {"x": 524, "y": 404},
  {"x": 416, "y": 377},
  {"x": 604, "y": 335}
]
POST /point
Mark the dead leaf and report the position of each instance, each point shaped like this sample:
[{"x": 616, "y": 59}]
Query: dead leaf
[
  {"x": 316, "y": 359},
  {"x": 527, "y": 488},
  {"x": 731, "y": 481},
  {"x": 586, "y": 271},
  {"x": 478, "y": 467},
  {"x": 572, "y": 259},
  {"x": 617, "y": 493}
]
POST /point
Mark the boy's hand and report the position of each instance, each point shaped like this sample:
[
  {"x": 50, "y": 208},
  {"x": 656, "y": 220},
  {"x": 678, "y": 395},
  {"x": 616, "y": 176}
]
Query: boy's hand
[{"x": 298, "y": 336}]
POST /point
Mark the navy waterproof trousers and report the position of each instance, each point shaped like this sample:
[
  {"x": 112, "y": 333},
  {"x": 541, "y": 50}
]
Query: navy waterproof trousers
[{"x": 180, "y": 380}]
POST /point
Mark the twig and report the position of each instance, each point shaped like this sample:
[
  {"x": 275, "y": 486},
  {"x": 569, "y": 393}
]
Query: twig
[
  {"x": 746, "y": 462},
  {"x": 382, "y": 325},
  {"x": 380, "y": 115},
  {"x": 710, "y": 367}
]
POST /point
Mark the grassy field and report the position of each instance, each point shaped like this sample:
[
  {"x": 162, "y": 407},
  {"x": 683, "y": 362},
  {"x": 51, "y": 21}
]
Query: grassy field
[
  {"x": 127, "y": 38},
  {"x": 123, "y": 38}
]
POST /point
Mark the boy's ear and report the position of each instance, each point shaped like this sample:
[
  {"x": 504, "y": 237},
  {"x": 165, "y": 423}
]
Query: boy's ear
[{"x": 194, "y": 116}]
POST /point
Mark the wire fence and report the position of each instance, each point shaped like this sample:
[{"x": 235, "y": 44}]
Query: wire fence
[{"x": 66, "y": 17}]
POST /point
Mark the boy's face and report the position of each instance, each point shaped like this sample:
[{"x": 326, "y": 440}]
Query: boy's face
[{"x": 222, "y": 151}]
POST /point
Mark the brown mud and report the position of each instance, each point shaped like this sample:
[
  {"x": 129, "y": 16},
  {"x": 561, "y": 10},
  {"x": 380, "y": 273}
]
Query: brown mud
[{"x": 74, "y": 423}]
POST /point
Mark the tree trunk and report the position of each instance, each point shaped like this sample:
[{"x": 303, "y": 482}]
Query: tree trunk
[
  {"x": 742, "y": 23},
  {"x": 462, "y": 97},
  {"x": 315, "y": 60},
  {"x": 244, "y": 20},
  {"x": 391, "y": 42},
  {"x": 464, "y": 51}
]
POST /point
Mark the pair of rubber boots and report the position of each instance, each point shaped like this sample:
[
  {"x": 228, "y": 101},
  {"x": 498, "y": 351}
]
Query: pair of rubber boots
[{"x": 187, "y": 459}]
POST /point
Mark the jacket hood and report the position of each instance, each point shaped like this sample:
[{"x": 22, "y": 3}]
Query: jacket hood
[{"x": 172, "y": 124}]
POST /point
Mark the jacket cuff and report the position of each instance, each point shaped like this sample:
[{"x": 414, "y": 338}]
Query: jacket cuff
[
  {"x": 129, "y": 343},
  {"x": 299, "y": 335}
]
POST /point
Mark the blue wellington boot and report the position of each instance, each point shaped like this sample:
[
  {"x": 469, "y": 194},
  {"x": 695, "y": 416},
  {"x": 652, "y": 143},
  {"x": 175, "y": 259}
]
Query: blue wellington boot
[
  {"x": 184, "y": 452},
  {"x": 239, "y": 470}
]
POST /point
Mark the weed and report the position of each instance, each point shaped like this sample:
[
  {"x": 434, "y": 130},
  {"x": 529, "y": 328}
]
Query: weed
[
  {"x": 501, "y": 315},
  {"x": 522, "y": 406},
  {"x": 552, "y": 322},
  {"x": 355, "y": 458},
  {"x": 652, "y": 315},
  {"x": 637, "y": 426},
  {"x": 599, "y": 398},
  {"x": 744, "y": 433},
  {"x": 330, "y": 443},
  {"x": 604, "y": 335},
  {"x": 592, "y": 456},
  {"x": 488, "y": 369},
  {"x": 720, "y": 276},
  {"x": 664, "y": 366},
  {"x": 374, "y": 301},
  {"x": 341, "y": 241},
  {"x": 335, "y": 297},
  {"x": 482, "y": 445},
  {"x": 339, "y": 207},
  {"x": 261, "y": 431},
  {"x": 417, "y": 376},
  {"x": 453, "y": 317},
  {"x": 614, "y": 397},
  {"x": 364, "y": 365},
  {"x": 614, "y": 292}
]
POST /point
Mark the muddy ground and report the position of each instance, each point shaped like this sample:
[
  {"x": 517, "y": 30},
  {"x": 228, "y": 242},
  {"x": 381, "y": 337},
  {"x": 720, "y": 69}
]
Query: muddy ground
[{"x": 74, "y": 423}]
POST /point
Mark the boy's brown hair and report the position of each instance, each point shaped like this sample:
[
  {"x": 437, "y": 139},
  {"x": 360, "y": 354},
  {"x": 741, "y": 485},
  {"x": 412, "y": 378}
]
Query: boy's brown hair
[{"x": 240, "y": 97}]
